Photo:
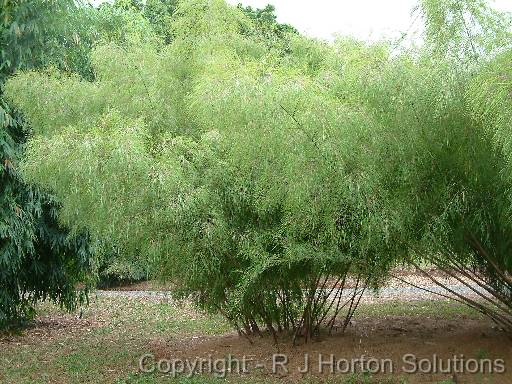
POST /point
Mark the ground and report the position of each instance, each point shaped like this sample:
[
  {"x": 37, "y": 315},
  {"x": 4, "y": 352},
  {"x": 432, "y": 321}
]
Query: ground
[{"x": 104, "y": 342}]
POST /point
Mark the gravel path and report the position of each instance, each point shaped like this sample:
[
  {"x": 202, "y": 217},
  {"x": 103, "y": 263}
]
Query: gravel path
[
  {"x": 394, "y": 291},
  {"x": 134, "y": 294}
]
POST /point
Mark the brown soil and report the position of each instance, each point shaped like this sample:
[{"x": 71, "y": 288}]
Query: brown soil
[{"x": 389, "y": 338}]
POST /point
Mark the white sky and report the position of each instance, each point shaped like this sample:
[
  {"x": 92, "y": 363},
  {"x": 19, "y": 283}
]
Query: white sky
[{"x": 364, "y": 19}]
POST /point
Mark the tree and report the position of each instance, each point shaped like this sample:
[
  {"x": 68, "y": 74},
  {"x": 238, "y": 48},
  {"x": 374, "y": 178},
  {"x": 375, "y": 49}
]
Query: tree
[
  {"x": 438, "y": 165},
  {"x": 261, "y": 180},
  {"x": 185, "y": 131},
  {"x": 122, "y": 21},
  {"x": 266, "y": 26},
  {"x": 39, "y": 258},
  {"x": 473, "y": 230}
]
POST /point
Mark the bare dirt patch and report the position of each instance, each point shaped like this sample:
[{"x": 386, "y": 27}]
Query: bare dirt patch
[
  {"x": 48, "y": 328},
  {"x": 379, "y": 338}
]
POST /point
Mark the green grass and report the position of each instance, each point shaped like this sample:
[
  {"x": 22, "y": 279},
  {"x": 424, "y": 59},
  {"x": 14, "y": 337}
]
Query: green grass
[
  {"x": 104, "y": 345},
  {"x": 101, "y": 346},
  {"x": 353, "y": 379},
  {"x": 356, "y": 379}
]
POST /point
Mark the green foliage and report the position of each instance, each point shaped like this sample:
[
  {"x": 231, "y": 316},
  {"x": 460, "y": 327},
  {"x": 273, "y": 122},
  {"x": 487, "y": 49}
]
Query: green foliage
[
  {"x": 266, "y": 27},
  {"x": 39, "y": 259},
  {"x": 62, "y": 34},
  {"x": 30, "y": 27},
  {"x": 122, "y": 17},
  {"x": 125, "y": 22},
  {"x": 253, "y": 175},
  {"x": 467, "y": 30},
  {"x": 171, "y": 165}
]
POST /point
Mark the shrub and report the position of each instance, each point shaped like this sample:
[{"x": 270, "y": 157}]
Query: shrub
[
  {"x": 260, "y": 181},
  {"x": 39, "y": 258}
]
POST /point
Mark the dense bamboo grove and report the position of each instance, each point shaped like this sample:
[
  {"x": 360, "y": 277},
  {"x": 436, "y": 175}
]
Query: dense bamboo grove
[{"x": 260, "y": 174}]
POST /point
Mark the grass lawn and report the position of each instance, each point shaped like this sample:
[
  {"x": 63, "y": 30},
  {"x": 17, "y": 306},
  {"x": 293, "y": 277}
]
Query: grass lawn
[
  {"x": 99, "y": 347},
  {"x": 104, "y": 342}
]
